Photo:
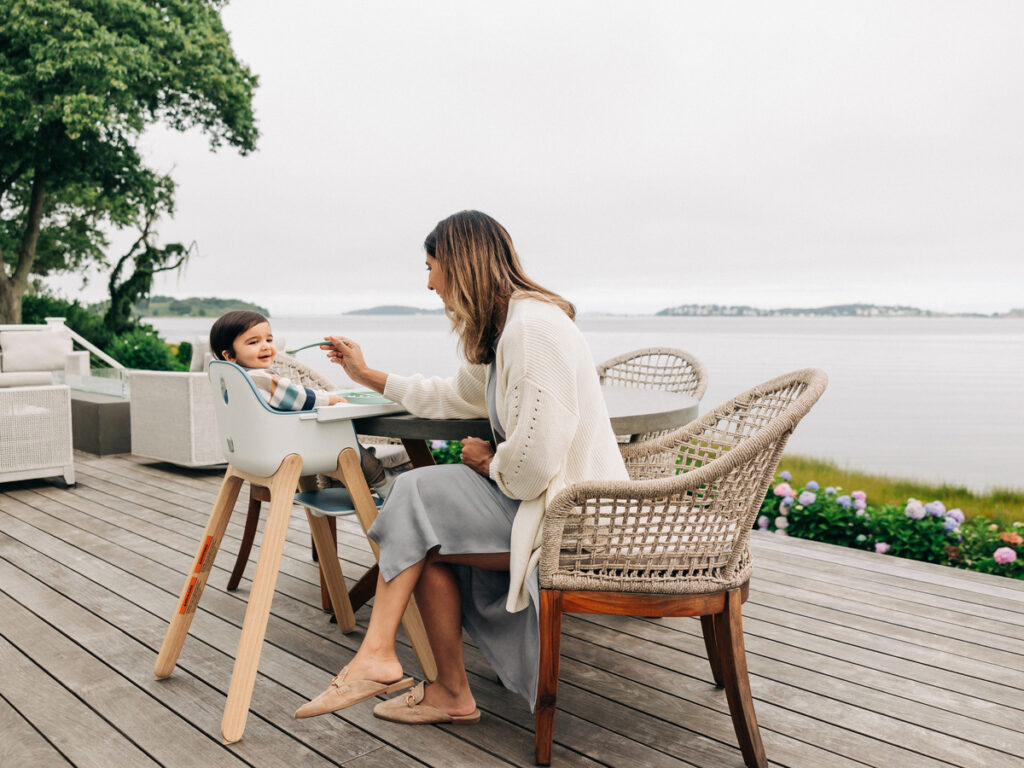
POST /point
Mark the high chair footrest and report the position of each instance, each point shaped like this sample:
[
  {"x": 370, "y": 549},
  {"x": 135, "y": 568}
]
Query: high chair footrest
[{"x": 329, "y": 501}]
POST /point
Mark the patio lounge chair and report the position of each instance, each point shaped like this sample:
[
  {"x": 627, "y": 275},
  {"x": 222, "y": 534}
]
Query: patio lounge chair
[{"x": 675, "y": 544}]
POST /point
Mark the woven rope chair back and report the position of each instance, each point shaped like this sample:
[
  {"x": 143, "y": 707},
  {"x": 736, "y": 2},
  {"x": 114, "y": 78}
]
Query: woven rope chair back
[
  {"x": 664, "y": 368},
  {"x": 301, "y": 373},
  {"x": 682, "y": 525}
]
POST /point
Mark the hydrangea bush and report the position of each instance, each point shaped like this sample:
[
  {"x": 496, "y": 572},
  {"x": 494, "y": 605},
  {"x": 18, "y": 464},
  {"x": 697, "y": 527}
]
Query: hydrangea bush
[{"x": 917, "y": 530}]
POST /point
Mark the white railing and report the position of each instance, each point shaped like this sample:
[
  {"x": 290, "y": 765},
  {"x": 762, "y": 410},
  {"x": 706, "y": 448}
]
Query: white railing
[{"x": 52, "y": 322}]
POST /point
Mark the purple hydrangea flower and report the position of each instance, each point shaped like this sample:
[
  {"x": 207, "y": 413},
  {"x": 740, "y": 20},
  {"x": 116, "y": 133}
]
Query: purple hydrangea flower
[
  {"x": 781, "y": 523},
  {"x": 784, "y": 489},
  {"x": 915, "y": 509},
  {"x": 881, "y": 547},
  {"x": 437, "y": 445},
  {"x": 807, "y": 498},
  {"x": 860, "y": 504},
  {"x": 844, "y": 501},
  {"x": 956, "y": 514},
  {"x": 785, "y": 475},
  {"x": 830, "y": 491},
  {"x": 762, "y": 522},
  {"x": 812, "y": 486},
  {"x": 935, "y": 508},
  {"x": 1004, "y": 555},
  {"x": 787, "y": 501},
  {"x": 950, "y": 524}
]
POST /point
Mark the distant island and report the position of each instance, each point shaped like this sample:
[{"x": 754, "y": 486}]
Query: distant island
[
  {"x": 395, "y": 309},
  {"x": 836, "y": 310},
  {"x": 166, "y": 306}
]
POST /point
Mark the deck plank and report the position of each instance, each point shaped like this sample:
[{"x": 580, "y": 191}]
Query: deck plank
[
  {"x": 855, "y": 659},
  {"x": 22, "y": 744}
]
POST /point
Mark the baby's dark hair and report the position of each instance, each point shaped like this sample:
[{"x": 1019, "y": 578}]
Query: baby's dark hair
[{"x": 229, "y": 327}]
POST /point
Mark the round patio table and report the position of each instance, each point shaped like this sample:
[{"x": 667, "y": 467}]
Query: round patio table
[{"x": 632, "y": 412}]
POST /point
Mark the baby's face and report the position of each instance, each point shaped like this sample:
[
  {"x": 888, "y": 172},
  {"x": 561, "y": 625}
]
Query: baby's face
[{"x": 255, "y": 348}]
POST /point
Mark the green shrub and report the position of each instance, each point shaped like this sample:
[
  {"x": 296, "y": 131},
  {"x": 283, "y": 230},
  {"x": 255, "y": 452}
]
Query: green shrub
[
  {"x": 142, "y": 348},
  {"x": 446, "y": 452}
]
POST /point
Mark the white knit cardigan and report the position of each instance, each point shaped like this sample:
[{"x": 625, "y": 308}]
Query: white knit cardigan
[{"x": 549, "y": 402}]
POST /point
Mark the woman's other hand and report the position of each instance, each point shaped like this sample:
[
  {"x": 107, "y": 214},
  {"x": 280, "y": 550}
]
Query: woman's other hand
[
  {"x": 349, "y": 355},
  {"x": 477, "y": 455}
]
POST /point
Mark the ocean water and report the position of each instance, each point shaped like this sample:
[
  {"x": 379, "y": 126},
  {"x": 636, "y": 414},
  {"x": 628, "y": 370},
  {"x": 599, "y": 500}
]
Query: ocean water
[{"x": 936, "y": 399}]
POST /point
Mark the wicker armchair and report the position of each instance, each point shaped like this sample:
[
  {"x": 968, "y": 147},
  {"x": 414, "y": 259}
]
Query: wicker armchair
[
  {"x": 675, "y": 543},
  {"x": 664, "y": 368}
]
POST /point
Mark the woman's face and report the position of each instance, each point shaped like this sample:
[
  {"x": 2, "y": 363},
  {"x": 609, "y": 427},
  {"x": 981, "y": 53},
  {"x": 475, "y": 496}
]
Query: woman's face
[{"x": 435, "y": 280}]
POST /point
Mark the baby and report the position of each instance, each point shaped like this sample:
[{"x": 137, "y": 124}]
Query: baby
[{"x": 245, "y": 338}]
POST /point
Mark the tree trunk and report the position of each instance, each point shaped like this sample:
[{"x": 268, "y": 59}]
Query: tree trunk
[{"x": 13, "y": 286}]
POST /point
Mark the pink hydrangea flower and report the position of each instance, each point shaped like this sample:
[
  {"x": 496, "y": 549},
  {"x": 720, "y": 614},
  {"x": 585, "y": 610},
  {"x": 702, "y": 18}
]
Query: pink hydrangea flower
[
  {"x": 881, "y": 547},
  {"x": 781, "y": 523},
  {"x": 1004, "y": 555},
  {"x": 859, "y": 495},
  {"x": 762, "y": 522},
  {"x": 807, "y": 498},
  {"x": 784, "y": 489}
]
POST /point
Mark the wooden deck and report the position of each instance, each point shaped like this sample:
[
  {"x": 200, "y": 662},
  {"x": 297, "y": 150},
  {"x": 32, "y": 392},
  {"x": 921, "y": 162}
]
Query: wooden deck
[{"x": 855, "y": 658}]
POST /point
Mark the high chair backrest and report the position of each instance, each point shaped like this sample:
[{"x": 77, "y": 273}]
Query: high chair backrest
[{"x": 256, "y": 438}]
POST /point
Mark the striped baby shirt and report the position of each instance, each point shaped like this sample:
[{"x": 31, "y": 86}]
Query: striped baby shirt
[{"x": 283, "y": 394}]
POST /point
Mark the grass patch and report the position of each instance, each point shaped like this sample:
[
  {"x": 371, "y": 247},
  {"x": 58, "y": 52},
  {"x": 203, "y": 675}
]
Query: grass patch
[{"x": 1001, "y": 505}]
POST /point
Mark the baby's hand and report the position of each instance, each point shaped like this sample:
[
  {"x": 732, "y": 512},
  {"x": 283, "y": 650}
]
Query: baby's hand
[{"x": 335, "y": 399}]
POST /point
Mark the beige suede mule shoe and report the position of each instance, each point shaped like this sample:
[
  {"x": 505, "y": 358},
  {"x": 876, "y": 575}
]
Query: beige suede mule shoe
[
  {"x": 409, "y": 709},
  {"x": 343, "y": 693}
]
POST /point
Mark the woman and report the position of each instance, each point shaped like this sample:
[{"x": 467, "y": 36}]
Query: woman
[{"x": 465, "y": 539}]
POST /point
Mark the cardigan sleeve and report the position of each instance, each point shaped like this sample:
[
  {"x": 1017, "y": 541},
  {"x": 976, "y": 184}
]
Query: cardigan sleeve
[
  {"x": 464, "y": 396},
  {"x": 541, "y": 413}
]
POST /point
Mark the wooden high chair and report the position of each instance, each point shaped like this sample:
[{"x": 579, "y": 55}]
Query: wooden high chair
[{"x": 279, "y": 451}]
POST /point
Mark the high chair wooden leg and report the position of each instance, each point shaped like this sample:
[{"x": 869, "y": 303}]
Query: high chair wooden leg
[
  {"x": 174, "y": 639},
  {"x": 366, "y": 510},
  {"x": 254, "y": 627},
  {"x": 331, "y": 570}
]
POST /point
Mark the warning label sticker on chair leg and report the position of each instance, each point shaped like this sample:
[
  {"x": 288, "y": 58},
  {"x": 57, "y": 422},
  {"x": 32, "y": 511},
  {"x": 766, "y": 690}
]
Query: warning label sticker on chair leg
[
  {"x": 206, "y": 554},
  {"x": 188, "y": 602}
]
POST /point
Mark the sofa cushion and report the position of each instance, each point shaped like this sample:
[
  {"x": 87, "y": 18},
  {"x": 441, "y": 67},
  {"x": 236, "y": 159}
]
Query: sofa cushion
[
  {"x": 34, "y": 350},
  {"x": 26, "y": 378}
]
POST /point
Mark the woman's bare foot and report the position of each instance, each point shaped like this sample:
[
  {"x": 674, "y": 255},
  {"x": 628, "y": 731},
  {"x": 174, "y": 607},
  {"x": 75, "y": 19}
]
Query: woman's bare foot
[{"x": 381, "y": 669}]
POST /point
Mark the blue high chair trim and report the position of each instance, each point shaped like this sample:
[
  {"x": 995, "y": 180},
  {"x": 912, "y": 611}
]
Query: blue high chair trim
[
  {"x": 255, "y": 392},
  {"x": 329, "y": 501}
]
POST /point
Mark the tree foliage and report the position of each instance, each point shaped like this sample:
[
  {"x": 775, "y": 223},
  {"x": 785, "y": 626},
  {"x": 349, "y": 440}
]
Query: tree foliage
[{"x": 79, "y": 82}]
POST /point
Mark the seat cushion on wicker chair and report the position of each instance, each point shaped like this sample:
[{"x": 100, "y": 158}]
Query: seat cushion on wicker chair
[
  {"x": 34, "y": 350},
  {"x": 26, "y": 379}
]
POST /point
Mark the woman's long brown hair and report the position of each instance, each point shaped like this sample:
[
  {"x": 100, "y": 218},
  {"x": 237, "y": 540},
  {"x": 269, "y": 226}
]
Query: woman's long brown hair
[{"x": 481, "y": 271}]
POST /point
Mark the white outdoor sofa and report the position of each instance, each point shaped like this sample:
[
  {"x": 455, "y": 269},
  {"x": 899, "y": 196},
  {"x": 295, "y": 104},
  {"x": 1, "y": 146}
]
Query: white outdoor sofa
[{"x": 35, "y": 412}]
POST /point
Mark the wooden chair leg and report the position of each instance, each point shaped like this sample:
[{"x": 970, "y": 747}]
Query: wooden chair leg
[
  {"x": 254, "y": 627},
  {"x": 252, "y": 519},
  {"x": 330, "y": 571},
  {"x": 729, "y": 632},
  {"x": 366, "y": 511},
  {"x": 707, "y": 626},
  {"x": 547, "y": 674},
  {"x": 177, "y": 630},
  {"x": 365, "y": 588},
  {"x": 325, "y": 594}
]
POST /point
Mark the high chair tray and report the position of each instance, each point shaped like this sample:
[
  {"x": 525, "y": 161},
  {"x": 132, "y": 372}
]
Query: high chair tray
[{"x": 360, "y": 406}]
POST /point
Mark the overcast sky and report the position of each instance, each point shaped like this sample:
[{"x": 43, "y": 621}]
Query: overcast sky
[{"x": 641, "y": 154}]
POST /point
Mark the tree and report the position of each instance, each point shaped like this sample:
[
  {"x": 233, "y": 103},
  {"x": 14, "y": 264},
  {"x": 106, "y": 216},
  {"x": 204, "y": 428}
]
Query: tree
[
  {"x": 79, "y": 82},
  {"x": 132, "y": 277}
]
